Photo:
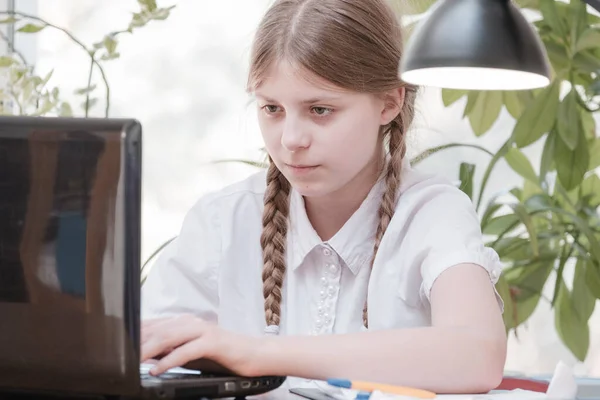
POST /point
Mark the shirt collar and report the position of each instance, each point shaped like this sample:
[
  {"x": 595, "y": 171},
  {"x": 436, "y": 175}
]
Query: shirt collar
[{"x": 353, "y": 242}]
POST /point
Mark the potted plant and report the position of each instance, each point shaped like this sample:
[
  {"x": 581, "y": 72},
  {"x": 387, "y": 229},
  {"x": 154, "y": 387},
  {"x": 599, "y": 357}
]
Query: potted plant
[
  {"x": 27, "y": 91},
  {"x": 551, "y": 219}
]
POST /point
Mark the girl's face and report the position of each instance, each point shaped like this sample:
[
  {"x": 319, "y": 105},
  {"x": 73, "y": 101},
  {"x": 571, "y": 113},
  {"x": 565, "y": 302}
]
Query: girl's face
[{"x": 321, "y": 137}]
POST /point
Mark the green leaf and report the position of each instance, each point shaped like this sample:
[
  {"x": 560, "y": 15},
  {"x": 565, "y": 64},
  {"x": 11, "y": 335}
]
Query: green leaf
[
  {"x": 490, "y": 210},
  {"x": 547, "y": 160},
  {"x": 88, "y": 105},
  {"x": 538, "y": 118},
  {"x": 471, "y": 101},
  {"x": 531, "y": 280},
  {"x": 563, "y": 9},
  {"x": 520, "y": 164},
  {"x": 524, "y": 216},
  {"x": 595, "y": 154},
  {"x": 149, "y": 5},
  {"x": 504, "y": 292},
  {"x": 526, "y": 284},
  {"x": 591, "y": 187},
  {"x": 86, "y": 90},
  {"x": 161, "y": 14},
  {"x": 530, "y": 189},
  {"x": 9, "y": 20},
  {"x": 588, "y": 123},
  {"x": 6, "y": 61},
  {"x": 112, "y": 56},
  {"x": 592, "y": 277},
  {"x": 573, "y": 331},
  {"x": 578, "y": 21},
  {"x": 110, "y": 44},
  {"x": 488, "y": 171},
  {"x": 512, "y": 248},
  {"x": 450, "y": 96},
  {"x": 539, "y": 202},
  {"x": 571, "y": 165},
  {"x": 502, "y": 224},
  {"x": 523, "y": 301},
  {"x": 586, "y": 62},
  {"x": 568, "y": 123},
  {"x": 583, "y": 226},
  {"x": 485, "y": 111},
  {"x": 466, "y": 178},
  {"x": 594, "y": 87},
  {"x": 525, "y": 308},
  {"x": 552, "y": 17},
  {"x": 517, "y": 192},
  {"x": 138, "y": 20},
  {"x": 534, "y": 4},
  {"x": 31, "y": 28},
  {"x": 432, "y": 150},
  {"x": 557, "y": 53},
  {"x": 589, "y": 39},
  {"x": 65, "y": 110},
  {"x": 513, "y": 103},
  {"x": 47, "y": 77},
  {"x": 583, "y": 300}
]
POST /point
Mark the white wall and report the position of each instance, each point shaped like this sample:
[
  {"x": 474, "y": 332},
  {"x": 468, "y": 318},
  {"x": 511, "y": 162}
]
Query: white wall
[{"x": 184, "y": 79}]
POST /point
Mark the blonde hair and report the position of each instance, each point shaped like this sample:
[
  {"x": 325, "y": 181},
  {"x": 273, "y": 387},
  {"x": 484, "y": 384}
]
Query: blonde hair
[{"x": 356, "y": 45}]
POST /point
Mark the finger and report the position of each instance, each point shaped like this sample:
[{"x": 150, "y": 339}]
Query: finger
[
  {"x": 169, "y": 337},
  {"x": 181, "y": 355},
  {"x": 158, "y": 329},
  {"x": 148, "y": 326},
  {"x": 148, "y": 323}
]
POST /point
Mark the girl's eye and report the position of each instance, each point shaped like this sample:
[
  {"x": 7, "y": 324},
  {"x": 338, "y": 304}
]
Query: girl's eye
[
  {"x": 271, "y": 109},
  {"x": 322, "y": 111}
]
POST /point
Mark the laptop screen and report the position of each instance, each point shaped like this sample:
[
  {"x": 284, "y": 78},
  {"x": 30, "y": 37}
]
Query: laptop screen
[{"x": 63, "y": 262}]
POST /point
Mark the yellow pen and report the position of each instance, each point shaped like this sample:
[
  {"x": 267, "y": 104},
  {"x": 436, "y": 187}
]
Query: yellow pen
[{"x": 391, "y": 389}]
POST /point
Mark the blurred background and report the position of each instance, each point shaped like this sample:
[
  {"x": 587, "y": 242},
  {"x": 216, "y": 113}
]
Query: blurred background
[{"x": 184, "y": 78}]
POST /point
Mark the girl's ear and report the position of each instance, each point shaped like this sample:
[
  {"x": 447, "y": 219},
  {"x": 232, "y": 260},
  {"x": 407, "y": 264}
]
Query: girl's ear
[{"x": 393, "y": 102}]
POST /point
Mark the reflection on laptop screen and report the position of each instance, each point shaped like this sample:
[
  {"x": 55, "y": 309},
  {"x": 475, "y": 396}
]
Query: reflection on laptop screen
[
  {"x": 62, "y": 259},
  {"x": 46, "y": 187}
]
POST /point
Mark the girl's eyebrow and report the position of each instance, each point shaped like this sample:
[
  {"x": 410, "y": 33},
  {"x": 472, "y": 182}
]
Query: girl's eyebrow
[
  {"x": 321, "y": 99},
  {"x": 308, "y": 101}
]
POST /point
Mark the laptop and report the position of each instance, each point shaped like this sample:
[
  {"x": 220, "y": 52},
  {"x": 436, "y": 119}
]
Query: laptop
[{"x": 70, "y": 200}]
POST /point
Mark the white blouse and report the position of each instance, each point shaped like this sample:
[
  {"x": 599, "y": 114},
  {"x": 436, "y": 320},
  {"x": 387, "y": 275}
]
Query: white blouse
[{"x": 213, "y": 269}]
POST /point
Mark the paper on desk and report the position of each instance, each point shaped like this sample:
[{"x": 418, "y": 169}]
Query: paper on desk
[{"x": 562, "y": 387}]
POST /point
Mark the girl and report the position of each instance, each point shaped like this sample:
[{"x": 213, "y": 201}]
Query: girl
[{"x": 370, "y": 270}]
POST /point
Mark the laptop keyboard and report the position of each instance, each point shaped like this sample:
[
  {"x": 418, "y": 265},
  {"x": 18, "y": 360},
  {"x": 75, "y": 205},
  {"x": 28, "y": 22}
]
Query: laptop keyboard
[{"x": 168, "y": 377}]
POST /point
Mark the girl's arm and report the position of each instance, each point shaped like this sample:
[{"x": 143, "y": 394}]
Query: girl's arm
[{"x": 463, "y": 352}]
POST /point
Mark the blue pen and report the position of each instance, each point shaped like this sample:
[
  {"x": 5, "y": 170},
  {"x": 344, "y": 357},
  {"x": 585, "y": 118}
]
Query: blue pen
[{"x": 362, "y": 396}]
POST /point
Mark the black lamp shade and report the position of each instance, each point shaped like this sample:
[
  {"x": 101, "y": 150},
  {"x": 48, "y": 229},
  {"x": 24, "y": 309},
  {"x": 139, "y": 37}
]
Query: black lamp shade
[{"x": 475, "y": 44}]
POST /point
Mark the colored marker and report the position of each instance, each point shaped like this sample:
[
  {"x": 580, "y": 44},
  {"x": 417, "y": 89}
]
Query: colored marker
[{"x": 391, "y": 389}]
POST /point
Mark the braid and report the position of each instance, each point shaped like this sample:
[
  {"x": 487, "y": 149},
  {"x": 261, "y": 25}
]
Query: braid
[
  {"x": 273, "y": 240},
  {"x": 397, "y": 149}
]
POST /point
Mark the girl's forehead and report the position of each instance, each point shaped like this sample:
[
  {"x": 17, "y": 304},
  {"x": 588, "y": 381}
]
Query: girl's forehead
[{"x": 288, "y": 80}]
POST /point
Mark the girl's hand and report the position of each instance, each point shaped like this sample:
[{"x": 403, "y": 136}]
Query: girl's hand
[{"x": 187, "y": 338}]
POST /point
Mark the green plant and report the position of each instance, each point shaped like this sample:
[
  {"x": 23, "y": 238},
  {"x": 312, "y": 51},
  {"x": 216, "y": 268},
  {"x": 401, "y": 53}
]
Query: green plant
[
  {"x": 551, "y": 220},
  {"x": 28, "y": 92}
]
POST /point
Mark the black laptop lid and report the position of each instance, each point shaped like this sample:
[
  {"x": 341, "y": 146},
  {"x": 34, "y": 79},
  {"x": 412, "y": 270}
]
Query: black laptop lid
[{"x": 69, "y": 254}]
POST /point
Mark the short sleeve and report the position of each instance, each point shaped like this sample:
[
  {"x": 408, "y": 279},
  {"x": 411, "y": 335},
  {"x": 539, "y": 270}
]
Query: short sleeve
[
  {"x": 449, "y": 233},
  {"x": 184, "y": 278}
]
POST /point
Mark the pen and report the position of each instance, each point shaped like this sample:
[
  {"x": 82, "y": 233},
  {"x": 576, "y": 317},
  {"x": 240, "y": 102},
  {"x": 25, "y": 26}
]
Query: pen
[{"x": 371, "y": 387}]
